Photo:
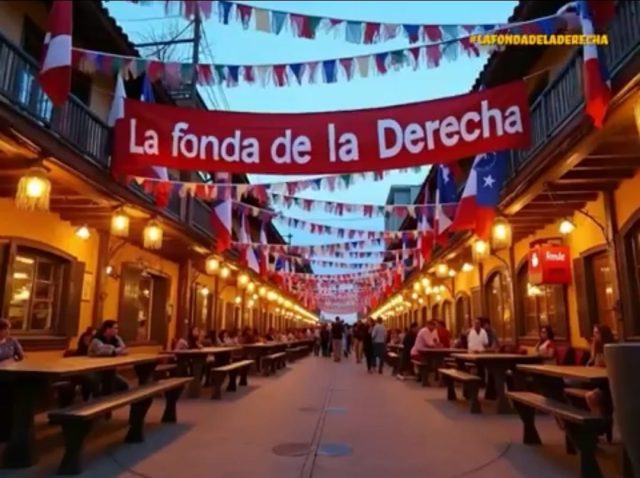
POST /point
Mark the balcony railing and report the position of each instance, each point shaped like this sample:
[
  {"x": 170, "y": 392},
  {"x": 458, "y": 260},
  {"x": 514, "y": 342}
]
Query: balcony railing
[
  {"x": 73, "y": 122},
  {"x": 201, "y": 216},
  {"x": 563, "y": 97}
]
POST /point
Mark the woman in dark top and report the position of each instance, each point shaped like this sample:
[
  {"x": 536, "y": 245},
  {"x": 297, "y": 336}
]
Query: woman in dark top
[
  {"x": 84, "y": 340},
  {"x": 367, "y": 345}
]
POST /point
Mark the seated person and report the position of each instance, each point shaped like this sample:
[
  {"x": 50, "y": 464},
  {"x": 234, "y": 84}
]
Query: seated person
[
  {"x": 477, "y": 338},
  {"x": 192, "y": 341},
  {"x": 546, "y": 347},
  {"x": 599, "y": 400},
  {"x": 427, "y": 338},
  {"x": 107, "y": 343},
  {"x": 10, "y": 348}
]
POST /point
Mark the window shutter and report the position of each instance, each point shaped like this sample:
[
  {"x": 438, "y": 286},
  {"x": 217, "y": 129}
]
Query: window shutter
[
  {"x": 582, "y": 294},
  {"x": 129, "y": 302},
  {"x": 159, "y": 310},
  {"x": 70, "y": 312}
]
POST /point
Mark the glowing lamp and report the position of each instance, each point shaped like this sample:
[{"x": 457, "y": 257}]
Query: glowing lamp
[
  {"x": 152, "y": 235},
  {"x": 34, "y": 190},
  {"x": 120, "y": 224}
]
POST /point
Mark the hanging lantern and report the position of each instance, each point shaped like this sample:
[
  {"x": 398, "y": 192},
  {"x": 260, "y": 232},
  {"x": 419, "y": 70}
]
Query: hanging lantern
[
  {"x": 152, "y": 235},
  {"x": 120, "y": 223},
  {"x": 467, "y": 267},
  {"x": 225, "y": 272},
  {"x": 243, "y": 280},
  {"x": 34, "y": 190},
  {"x": 442, "y": 270},
  {"x": 83, "y": 232},
  {"x": 479, "y": 251},
  {"x": 212, "y": 265},
  {"x": 500, "y": 234},
  {"x": 566, "y": 227}
]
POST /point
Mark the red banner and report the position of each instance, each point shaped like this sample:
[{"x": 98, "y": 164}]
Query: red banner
[
  {"x": 438, "y": 131},
  {"x": 549, "y": 264}
]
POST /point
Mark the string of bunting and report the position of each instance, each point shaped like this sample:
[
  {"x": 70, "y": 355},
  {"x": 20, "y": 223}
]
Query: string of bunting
[
  {"x": 321, "y": 249},
  {"x": 212, "y": 191},
  {"x": 266, "y": 215},
  {"x": 342, "y": 208},
  {"x": 325, "y": 71}
]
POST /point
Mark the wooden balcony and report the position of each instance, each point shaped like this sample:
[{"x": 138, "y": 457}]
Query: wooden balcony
[{"x": 562, "y": 101}]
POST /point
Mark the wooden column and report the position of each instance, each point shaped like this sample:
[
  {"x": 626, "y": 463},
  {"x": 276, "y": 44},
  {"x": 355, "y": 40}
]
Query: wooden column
[
  {"x": 99, "y": 287},
  {"x": 616, "y": 259},
  {"x": 185, "y": 274},
  {"x": 483, "y": 297}
]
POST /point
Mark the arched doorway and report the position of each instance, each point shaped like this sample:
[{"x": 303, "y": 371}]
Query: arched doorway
[
  {"x": 463, "y": 313},
  {"x": 498, "y": 295},
  {"x": 447, "y": 315},
  {"x": 435, "y": 312}
]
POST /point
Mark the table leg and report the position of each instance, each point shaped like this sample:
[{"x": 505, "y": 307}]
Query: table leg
[
  {"x": 499, "y": 377},
  {"x": 20, "y": 451},
  {"x": 144, "y": 372},
  {"x": 490, "y": 385},
  {"x": 223, "y": 359},
  {"x": 197, "y": 368}
]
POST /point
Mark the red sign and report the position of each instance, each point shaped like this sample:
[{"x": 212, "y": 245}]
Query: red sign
[
  {"x": 416, "y": 134},
  {"x": 549, "y": 264}
]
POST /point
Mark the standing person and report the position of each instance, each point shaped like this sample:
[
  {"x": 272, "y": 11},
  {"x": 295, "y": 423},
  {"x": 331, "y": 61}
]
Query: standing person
[
  {"x": 107, "y": 343},
  {"x": 325, "y": 337},
  {"x": 367, "y": 345},
  {"x": 378, "y": 338},
  {"x": 348, "y": 339},
  {"x": 359, "y": 330},
  {"x": 408, "y": 342},
  {"x": 316, "y": 341},
  {"x": 477, "y": 339},
  {"x": 337, "y": 333},
  {"x": 492, "y": 335}
]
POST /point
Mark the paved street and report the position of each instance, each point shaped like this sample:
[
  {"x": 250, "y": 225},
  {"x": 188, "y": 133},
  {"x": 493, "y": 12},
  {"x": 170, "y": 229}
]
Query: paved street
[{"x": 294, "y": 424}]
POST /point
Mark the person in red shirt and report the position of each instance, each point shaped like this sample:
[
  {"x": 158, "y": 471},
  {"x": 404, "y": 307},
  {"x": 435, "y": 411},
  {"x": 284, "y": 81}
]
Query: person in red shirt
[{"x": 444, "y": 336}]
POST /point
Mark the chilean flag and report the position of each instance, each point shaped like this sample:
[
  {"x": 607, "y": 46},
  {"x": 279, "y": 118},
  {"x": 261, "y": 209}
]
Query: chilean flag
[
  {"x": 445, "y": 197},
  {"x": 264, "y": 253},
  {"x": 477, "y": 207},
  {"x": 221, "y": 224},
  {"x": 55, "y": 72},
  {"x": 596, "y": 86}
]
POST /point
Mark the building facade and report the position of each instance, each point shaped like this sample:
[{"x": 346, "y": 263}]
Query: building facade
[
  {"x": 55, "y": 280},
  {"x": 576, "y": 186}
]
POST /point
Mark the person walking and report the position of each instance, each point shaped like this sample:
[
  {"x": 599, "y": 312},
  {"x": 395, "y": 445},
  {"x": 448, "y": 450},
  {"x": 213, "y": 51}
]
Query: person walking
[
  {"x": 378, "y": 337},
  {"x": 408, "y": 342},
  {"x": 348, "y": 339},
  {"x": 325, "y": 337},
  {"x": 359, "y": 331},
  {"x": 367, "y": 344},
  {"x": 337, "y": 333}
]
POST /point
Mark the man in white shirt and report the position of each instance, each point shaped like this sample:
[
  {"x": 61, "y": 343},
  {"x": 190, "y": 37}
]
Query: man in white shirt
[
  {"x": 379, "y": 337},
  {"x": 477, "y": 340},
  {"x": 427, "y": 338}
]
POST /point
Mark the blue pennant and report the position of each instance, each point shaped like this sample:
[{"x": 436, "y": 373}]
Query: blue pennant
[
  {"x": 354, "y": 32},
  {"x": 296, "y": 69},
  {"x": 225, "y": 12},
  {"x": 234, "y": 72},
  {"x": 412, "y": 32},
  {"x": 277, "y": 21},
  {"x": 329, "y": 67}
]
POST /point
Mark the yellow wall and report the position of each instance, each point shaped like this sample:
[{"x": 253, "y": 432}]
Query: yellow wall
[
  {"x": 131, "y": 253},
  {"x": 626, "y": 198},
  {"x": 49, "y": 229}
]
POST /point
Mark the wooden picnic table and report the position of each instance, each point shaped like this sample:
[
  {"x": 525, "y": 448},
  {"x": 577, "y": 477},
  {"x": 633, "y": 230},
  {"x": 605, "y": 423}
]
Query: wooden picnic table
[
  {"x": 497, "y": 365},
  {"x": 195, "y": 360},
  {"x": 28, "y": 380},
  {"x": 434, "y": 358},
  {"x": 550, "y": 379},
  {"x": 257, "y": 351}
]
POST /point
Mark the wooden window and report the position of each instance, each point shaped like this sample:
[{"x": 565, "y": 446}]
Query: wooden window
[
  {"x": 543, "y": 305},
  {"x": 200, "y": 306},
  {"x": 35, "y": 291},
  {"x": 435, "y": 312},
  {"x": 598, "y": 266},
  {"x": 499, "y": 305},
  {"x": 463, "y": 314}
]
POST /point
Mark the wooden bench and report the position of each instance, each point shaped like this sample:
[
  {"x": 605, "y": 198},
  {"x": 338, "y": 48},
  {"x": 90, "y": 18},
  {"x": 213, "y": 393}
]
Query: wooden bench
[
  {"x": 76, "y": 420},
  {"x": 423, "y": 372},
  {"x": 295, "y": 353},
  {"x": 581, "y": 427},
  {"x": 234, "y": 369},
  {"x": 578, "y": 398},
  {"x": 165, "y": 370},
  {"x": 393, "y": 360},
  {"x": 271, "y": 363},
  {"x": 470, "y": 383}
]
